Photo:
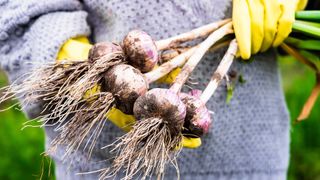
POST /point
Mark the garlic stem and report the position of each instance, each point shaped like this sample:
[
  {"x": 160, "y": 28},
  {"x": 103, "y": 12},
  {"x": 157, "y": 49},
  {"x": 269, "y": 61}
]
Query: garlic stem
[
  {"x": 198, "y": 54},
  {"x": 221, "y": 72},
  {"x": 191, "y": 35}
]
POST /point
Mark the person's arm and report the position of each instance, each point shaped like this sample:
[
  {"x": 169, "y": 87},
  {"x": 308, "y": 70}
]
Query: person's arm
[{"x": 33, "y": 31}]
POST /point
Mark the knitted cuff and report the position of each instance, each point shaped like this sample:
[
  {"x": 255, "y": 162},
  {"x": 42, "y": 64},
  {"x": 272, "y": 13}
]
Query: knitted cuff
[{"x": 40, "y": 44}]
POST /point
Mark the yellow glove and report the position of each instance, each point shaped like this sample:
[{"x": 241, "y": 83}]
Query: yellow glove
[
  {"x": 170, "y": 77},
  {"x": 78, "y": 48},
  {"x": 261, "y": 24},
  {"x": 75, "y": 48},
  {"x": 301, "y": 5}
]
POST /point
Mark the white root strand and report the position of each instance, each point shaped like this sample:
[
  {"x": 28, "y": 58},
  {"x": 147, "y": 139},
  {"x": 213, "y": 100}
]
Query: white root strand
[
  {"x": 198, "y": 54},
  {"x": 193, "y": 34},
  {"x": 221, "y": 72}
]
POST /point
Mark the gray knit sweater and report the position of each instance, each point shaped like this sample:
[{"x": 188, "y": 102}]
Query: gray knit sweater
[{"x": 249, "y": 138}]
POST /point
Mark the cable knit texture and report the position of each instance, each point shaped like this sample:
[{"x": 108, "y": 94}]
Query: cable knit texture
[{"x": 249, "y": 138}]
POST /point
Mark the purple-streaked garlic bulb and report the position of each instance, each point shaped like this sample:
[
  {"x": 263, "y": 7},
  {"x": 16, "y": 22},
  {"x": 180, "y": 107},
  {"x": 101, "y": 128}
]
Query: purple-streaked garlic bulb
[
  {"x": 101, "y": 49},
  {"x": 126, "y": 83},
  {"x": 164, "y": 104},
  {"x": 140, "y": 50},
  {"x": 198, "y": 120}
]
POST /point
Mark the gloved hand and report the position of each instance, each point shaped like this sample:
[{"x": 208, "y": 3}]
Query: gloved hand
[
  {"x": 262, "y": 24},
  {"x": 78, "y": 48},
  {"x": 75, "y": 48}
]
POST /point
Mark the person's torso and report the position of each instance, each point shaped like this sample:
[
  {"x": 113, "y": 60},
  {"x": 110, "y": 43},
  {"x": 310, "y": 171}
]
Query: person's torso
[{"x": 246, "y": 123}]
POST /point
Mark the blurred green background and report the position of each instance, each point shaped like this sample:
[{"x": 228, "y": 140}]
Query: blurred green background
[{"x": 20, "y": 151}]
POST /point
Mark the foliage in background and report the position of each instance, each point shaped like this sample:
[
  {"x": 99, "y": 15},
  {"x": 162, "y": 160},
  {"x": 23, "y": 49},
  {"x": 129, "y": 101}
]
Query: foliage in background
[
  {"x": 20, "y": 150},
  {"x": 298, "y": 81}
]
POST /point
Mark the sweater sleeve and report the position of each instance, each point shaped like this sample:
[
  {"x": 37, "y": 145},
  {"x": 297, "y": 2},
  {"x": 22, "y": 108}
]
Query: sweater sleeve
[{"x": 32, "y": 32}]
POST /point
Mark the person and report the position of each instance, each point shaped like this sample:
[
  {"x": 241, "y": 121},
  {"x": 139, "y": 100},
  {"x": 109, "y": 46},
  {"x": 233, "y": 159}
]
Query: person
[{"x": 249, "y": 138}]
